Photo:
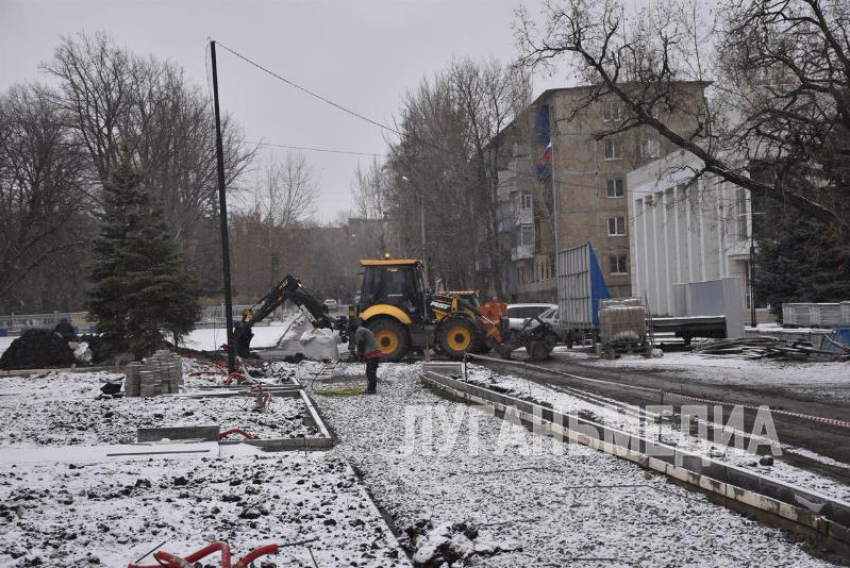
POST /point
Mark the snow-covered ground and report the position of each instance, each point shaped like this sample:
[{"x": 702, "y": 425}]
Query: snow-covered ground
[
  {"x": 529, "y": 505},
  {"x": 66, "y": 499},
  {"x": 5, "y": 342},
  {"x": 54, "y": 422},
  {"x": 824, "y": 379},
  {"x": 211, "y": 339},
  {"x": 109, "y": 514}
]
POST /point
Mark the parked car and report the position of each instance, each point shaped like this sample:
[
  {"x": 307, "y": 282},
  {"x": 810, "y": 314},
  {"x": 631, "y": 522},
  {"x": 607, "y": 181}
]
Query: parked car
[
  {"x": 519, "y": 313},
  {"x": 550, "y": 316},
  {"x": 331, "y": 304}
]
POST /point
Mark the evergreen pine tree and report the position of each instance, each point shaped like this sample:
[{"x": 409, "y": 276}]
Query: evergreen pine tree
[
  {"x": 141, "y": 288},
  {"x": 799, "y": 260}
]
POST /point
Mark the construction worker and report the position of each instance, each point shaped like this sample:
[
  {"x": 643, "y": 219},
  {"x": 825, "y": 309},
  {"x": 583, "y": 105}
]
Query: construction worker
[{"x": 366, "y": 347}]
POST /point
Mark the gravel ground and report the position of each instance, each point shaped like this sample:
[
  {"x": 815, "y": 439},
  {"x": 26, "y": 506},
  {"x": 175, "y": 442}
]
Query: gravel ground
[
  {"x": 110, "y": 514},
  {"x": 529, "y": 507}
]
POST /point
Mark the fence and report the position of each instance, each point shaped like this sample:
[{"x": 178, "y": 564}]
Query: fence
[{"x": 16, "y": 324}]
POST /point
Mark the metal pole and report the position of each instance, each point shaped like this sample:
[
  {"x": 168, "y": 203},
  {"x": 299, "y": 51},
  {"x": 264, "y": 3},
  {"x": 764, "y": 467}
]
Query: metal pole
[
  {"x": 225, "y": 239},
  {"x": 752, "y": 275},
  {"x": 422, "y": 225}
]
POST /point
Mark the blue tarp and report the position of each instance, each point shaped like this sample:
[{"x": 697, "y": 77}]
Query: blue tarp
[
  {"x": 839, "y": 335},
  {"x": 598, "y": 287}
]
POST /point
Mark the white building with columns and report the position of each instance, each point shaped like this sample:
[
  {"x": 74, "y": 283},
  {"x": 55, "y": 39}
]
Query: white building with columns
[{"x": 683, "y": 229}]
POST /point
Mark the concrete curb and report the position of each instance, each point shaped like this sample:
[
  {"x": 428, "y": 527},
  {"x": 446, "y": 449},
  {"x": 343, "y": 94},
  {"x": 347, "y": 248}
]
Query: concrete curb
[{"x": 809, "y": 513}]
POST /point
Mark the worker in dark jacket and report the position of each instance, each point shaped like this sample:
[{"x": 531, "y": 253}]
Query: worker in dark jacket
[{"x": 367, "y": 349}]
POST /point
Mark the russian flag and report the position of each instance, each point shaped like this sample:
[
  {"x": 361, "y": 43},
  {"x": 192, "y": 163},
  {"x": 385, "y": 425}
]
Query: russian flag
[{"x": 544, "y": 163}]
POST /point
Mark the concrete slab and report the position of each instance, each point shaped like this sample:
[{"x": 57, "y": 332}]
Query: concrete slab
[{"x": 207, "y": 433}]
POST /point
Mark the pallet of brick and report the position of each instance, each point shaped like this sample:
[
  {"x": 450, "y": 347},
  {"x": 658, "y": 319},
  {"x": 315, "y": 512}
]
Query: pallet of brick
[
  {"x": 147, "y": 383},
  {"x": 131, "y": 380}
]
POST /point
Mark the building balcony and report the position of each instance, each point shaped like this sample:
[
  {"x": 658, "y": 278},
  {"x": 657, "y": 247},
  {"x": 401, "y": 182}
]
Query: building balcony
[{"x": 522, "y": 252}]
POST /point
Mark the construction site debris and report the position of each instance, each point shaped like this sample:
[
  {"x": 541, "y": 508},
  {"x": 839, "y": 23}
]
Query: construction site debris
[
  {"x": 38, "y": 349},
  {"x": 766, "y": 347},
  {"x": 449, "y": 543},
  {"x": 81, "y": 351},
  {"x": 319, "y": 345}
]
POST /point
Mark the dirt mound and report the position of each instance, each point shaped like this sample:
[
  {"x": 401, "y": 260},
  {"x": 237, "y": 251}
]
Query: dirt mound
[{"x": 37, "y": 349}]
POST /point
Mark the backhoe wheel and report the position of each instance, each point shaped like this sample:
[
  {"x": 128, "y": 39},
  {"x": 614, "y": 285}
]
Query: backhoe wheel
[
  {"x": 538, "y": 350},
  {"x": 392, "y": 338},
  {"x": 456, "y": 337}
]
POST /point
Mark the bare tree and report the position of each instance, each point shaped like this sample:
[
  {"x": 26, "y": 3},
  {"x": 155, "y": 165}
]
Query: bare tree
[
  {"x": 491, "y": 97},
  {"x": 113, "y": 97},
  {"x": 286, "y": 191},
  {"x": 781, "y": 93},
  {"x": 42, "y": 183}
]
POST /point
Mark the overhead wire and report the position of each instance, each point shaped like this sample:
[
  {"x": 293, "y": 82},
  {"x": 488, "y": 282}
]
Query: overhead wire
[
  {"x": 359, "y": 116},
  {"x": 311, "y": 149},
  {"x": 309, "y": 92}
]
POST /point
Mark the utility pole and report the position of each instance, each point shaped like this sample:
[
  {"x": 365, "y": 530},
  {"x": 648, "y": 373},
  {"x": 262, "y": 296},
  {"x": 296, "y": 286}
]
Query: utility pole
[
  {"x": 752, "y": 277},
  {"x": 222, "y": 202}
]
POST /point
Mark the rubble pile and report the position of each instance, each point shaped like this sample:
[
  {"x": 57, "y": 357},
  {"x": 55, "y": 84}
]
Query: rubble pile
[
  {"x": 38, "y": 349},
  {"x": 449, "y": 544},
  {"x": 163, "y": 374},
  {"x": 768, "y": 348}
]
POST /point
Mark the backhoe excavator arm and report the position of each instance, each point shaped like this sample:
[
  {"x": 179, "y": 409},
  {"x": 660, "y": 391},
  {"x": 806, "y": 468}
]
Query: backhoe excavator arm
[{"x": 290, "y": 288}]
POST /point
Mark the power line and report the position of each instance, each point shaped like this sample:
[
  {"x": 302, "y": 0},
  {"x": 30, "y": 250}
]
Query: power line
[
  {"x": 355, "y": 114},
  {"x": 309, "y": 92},
  {"x": 307, "y": 148}
]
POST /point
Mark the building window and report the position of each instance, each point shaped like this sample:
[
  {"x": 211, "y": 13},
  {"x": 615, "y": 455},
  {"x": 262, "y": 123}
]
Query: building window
[
  {"x": 619, "y": 264},
  {"x": 616, "y": 226},
  {"x": 525, "y": 200},
  {"x": 615, "y": 188},
  {"x": 650, "y": 145},
  {"x": 526, "y": 235},
  {"x": 611, "y": 111},
  {"x": 613, "y": 149}
]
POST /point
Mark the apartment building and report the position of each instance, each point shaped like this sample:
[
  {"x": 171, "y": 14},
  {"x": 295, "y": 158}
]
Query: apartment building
[{"x": 581, "y": 196}]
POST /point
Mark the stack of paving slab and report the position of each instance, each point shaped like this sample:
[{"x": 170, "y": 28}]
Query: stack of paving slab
[{"x": 163, "y": 374}]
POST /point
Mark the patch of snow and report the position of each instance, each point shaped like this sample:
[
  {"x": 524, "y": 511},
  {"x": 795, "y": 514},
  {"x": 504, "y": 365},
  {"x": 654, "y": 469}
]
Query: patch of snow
[
  {"x": 831, "y": 378},
  {"x": 5, "y": 342},
  {"x": 211, "y": 339}
]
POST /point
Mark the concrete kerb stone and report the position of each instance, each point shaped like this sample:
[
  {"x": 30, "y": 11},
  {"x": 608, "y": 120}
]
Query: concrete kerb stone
[{"x": 809, "y": 512}]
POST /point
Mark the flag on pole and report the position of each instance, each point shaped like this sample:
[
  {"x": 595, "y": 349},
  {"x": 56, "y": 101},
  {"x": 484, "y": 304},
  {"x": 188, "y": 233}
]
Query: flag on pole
[{"x": 544, "y": 163}]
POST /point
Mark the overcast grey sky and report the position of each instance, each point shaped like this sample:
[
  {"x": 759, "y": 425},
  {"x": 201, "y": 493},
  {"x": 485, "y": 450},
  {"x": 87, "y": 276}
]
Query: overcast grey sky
[{"x": 362, "y": 54}]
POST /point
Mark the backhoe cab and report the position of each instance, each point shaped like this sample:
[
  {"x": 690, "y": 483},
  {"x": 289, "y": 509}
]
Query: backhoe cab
[{"x": 396, "y": 306}]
